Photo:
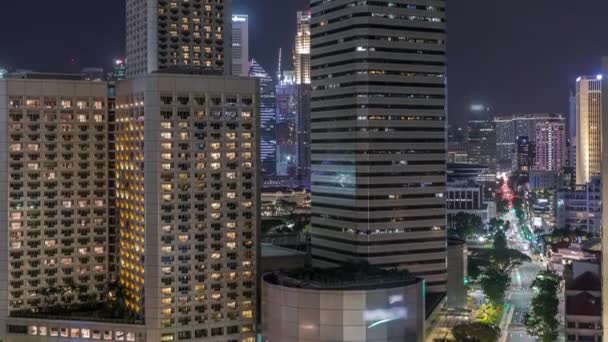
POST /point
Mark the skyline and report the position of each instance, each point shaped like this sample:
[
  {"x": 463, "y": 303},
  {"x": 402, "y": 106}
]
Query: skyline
[{"x": 482, "y": 49}]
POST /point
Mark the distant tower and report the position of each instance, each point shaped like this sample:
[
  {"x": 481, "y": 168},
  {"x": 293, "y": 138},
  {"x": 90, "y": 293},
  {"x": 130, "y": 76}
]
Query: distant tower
[
  {"x": 240, "y": 45},
  {"x": 550, "y": 146},
  {"x": 301, "y": 54},
  {"x": 268, "y": 119},
  {"x": 588, "y": 126},
  {"x": 279, "y": 68}
]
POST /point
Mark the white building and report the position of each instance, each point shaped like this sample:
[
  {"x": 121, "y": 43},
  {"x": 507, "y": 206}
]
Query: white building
[
  {"x": 334, "y": 306},
  {"x": 240, "y": 45}
]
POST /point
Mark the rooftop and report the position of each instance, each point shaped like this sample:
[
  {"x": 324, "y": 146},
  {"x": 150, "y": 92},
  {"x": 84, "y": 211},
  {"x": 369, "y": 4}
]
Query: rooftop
[
  {"x": 587, "y": 281},
  {"x": 273, "y": 251},
  {"x": 358, "y": 276}
]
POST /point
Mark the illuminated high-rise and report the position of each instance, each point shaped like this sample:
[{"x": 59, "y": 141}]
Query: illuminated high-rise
[
  {"x": 187, "y": 201},
  {"x": 174, "y": 35},
  {"x": 54, "y": 207},
  {"x": 240, "y": 45},
  {"x": 588, "y": 128},
  {"x": 378, "y": 135},
  {"x": 550, "y": 146},
  {"x": 301, "y": 54},
  {"x": 268, "y": 119}
]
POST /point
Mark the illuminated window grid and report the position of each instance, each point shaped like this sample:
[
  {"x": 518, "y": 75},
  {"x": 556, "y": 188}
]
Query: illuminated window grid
[
  {"x": 207, "y": 212},
  {"x": 57, "y": 197}
]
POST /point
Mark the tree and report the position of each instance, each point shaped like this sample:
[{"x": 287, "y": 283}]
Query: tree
[
  {"x": 465, "y": 225},
  {"x": 494, "y": 267},
  {"x": 494, "y": 285},
  {"x": 495, "y": 225},
  {"x": 475, "y": 332},
  {"x": 542, "y": 321}
]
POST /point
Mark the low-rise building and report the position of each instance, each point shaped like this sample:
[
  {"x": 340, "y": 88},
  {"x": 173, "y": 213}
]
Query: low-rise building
[
  {"x": 315, "y": 305},
  {"x": 583, "y": 301},
  {"x": 467, "y": 198},
  {"x": 580, "y": 207}
]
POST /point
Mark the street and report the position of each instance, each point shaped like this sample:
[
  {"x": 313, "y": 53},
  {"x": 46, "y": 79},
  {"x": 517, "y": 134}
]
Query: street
[{"x": 519, "y": 295}]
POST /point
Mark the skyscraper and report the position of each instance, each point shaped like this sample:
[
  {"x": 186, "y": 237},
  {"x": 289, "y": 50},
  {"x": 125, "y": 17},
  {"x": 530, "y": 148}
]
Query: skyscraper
[
  {"x": 588, "y": 127},
  {"x": 240, "y": 45},
  {"x": 188, "y": 204},
  {"x": 550, "y": 146},
  {"x": 287, "y": 126},
  {"x": 268, "y": 120},
  {"x": 191, "y": 36},
  {"x": 378, "y": 135},
  {"x": 301, "y": 54},
  {"x": 481, "y": 143},
  {"x": 54, "y": 206},
  {"x": 505, "y": 143}
]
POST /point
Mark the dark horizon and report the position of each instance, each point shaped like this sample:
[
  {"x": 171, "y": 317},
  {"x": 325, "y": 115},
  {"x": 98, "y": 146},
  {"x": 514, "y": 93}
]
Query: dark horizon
[{"x": 512, "y": 60}]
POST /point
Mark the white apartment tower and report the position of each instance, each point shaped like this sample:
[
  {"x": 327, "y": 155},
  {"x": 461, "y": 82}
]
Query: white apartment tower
[
  {"x": 192, "y": 36},
  {"x": 240, "y": 45},
  {"x": 588, "y": 127},
  {"x": 378, "y": 135},
  {"x": 301, "y": 54},
  {"x": 187, "y": 203},
  {"x": 54, "y": 184}
]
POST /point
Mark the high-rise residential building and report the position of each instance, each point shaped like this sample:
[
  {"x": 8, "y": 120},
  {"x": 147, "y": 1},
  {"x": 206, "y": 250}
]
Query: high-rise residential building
[
  {"x": 550, "y": 146},
  {"x": 301, "y": 54},
  {"x": 240, "y": 45},
  {"x": 378, "y": 135},
  {"x": 268, "y": 119},
  {"x": 510, "y": 127},
  {"x": 188, "y": 204},
  {"x": 588, "y": 127},
  {"x": 168, "y": 35},
  {"x": 54, "y": 206},
  {"x": 481, "y": 143}
]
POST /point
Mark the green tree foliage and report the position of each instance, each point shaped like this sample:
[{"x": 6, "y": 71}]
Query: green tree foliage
[
  {"x": 495, "y": 225},
  {"x": 494, "y": 285},
  {"x": 475, "y": 332},
  {"x": 542, "y": 321},
  {"x": 465, "y": 225},
  {"x": 493, "y": 267}
]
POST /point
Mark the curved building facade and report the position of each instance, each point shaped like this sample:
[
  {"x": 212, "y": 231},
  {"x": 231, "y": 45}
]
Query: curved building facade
[{"x": 364, "y": 310}]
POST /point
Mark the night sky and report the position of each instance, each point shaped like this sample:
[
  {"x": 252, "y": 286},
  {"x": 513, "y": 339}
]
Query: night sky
[{"x": 516, "y": 56}]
